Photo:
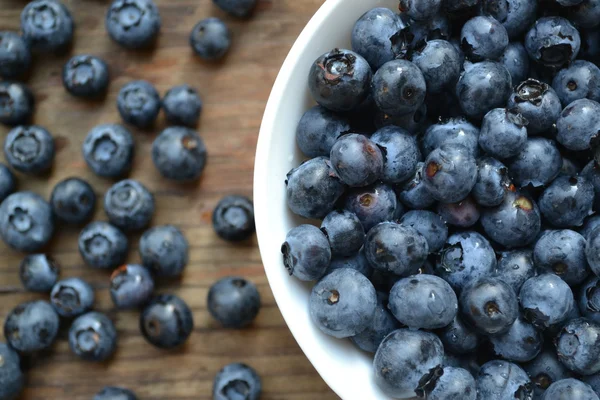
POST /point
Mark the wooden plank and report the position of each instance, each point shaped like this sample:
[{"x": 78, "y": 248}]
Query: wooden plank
[{"x": 233, "y": 106}]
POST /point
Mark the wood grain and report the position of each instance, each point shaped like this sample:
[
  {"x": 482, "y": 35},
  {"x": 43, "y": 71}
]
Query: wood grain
[{"x": 234, "y": 92}]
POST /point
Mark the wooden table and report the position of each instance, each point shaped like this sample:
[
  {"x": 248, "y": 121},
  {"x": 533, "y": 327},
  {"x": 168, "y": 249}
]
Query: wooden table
[{"x": 234, "y": 93}]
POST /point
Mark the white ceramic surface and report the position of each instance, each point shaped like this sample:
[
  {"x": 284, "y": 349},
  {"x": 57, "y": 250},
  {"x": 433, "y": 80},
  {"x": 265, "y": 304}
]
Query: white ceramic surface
[{"x": 344, "y": 368}]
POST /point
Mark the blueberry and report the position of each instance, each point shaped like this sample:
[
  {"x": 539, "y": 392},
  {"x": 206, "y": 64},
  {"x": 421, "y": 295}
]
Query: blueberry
[
  {"x": 577, "y": 346},
  {"x": 395, "y": 248},
  {"x": 567, "y": 201},
  {"x": 16, "y": 103},
  {"x": 115, "y": 393},
  {"x": 93, "y": 337},
  {"x": 179, "y": 153},
  {"x": 515, "y": 15},
  {"x": 489, "y": 305},
  {"x": 400, "y": 153},
  {"x": 515, "y": 267},
  {"x": 358, "y": 262},
  {"x": 414, "y": 193},
  {"x": 458, "y": 337},
  {"x": 47, "y": 25},
  {"x": 313, "y": 188},
  {"x": 503, "y": 133},
  {"x": 210, "y": 39},
  {"x": 8, "y": 182},
  {"x": 451, "y": 131},
  {"x": 420, "y": 10},
  {"x": 167, "y": 321},
  {"x": 11, "y": 377},
  {"x": 523, "y": 342},
  {"x": 398, "y": 87},
  {"x": 589, "y": 299},
  {"x": 430, "y": 225},
  {"x": 383, "y": 324},
  {"x": 581, "y": 80},
  {"x": 102, "y": 245},
  {"x": 138, "y": 102},
  {"x": 423, "y": 302},
  {"x": 31, "y": 326},
  {"x": 538, "y": 103},
  {"x": 237, "y": 8},
  {"x": 71, "y": 297},
  {"x": 15, "y": 56},
  {"x": 372, "y": 34},
  {"x": 503, "y": 380},
  {"x": 234, "y": 302},
  {"x": 589, "y": 225},
  {"x": 73, "y": 201},
  {"x": 373, "y": 204},
  {"x": 29, "y": 149},
  {"x": 482, "y": 87},
  {"x": 85, "y": 76},
  {"x": 463, "y": 214},
  {"x": 182, "y": 105},
  {"x": 516, "y": 61},
  {"x": 408, "y": 363},
  {"x": 593, "y": 381},
  {"x": 164, "y": 250},
  {"x": 133, "y": 24},
  {"x": 131, "y": 286},
  {"x": 339, "y": 80},
  {"x": 455, "y": 383},
  {"x": 483, "y": 38},
  {"x": 26, "y": 221},
  {"x": 236, "y": 381},
  {"x": 318, "y": 130},
  {"x": 592, "y": 251},
  {"x": 545, "y": 369},
  {"x": 592, "y": 172},
  {"x": 563, "y": 253},
  {"x": 546, "y": 300},
  {"x": 414, "y": 34},
  {"x": 537, "y": 164},
  {"x": 233, "y": 218},
  {"x": 344, "y": 232},
  {"x": 108, "y": 150},
  {"x": 440, "y": 64},
  {"x": 585, "y": 14},
  {"x": 38, "y": 272},
  {"x": 492, "y": 182},
  {"x": 449, "y": 173},
  {"x": 466, "y": 257},
  {"x": 306, "y": 252},
  {"x": 553, "y": 42},
  {"x": 578, "y": 124},
  {"x": 129, "y": 205},
  {"x": 357, "y": 160},
  {"x": 570, "y": 389}
]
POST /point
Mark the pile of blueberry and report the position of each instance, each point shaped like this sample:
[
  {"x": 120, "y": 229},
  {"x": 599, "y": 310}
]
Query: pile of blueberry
[
  {"x": 454, "y": 161},
  {"x": 28, "y": 221}
]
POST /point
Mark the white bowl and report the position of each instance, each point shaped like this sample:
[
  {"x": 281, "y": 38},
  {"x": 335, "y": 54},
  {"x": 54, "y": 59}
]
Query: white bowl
[{"x": 347, "y": 370}]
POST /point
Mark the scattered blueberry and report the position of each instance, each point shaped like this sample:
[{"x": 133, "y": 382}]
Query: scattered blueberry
[
  {"x": 133, "y": 24},
  {"x": 47, "y": 25},
  {"x": 422, "y": 10},
  {"x": 131, "y": 286},
  {"x": 179, "y": 154},
  {"x": 8, "y": 182},
  {"x": 234, "y": 302},
  {"x": 93, "y": 337},
  {"x": 73, "y": 201},
  {"x": 102, "y": 245},
  {"x": 138, "y": 102},
  {"x": 546, "y": 300},
  {"x": 38, "y": 272},
  {"x": 16, "y": 103},
  {"x": 71, "y": 297},
  {"x": 182, "y": 105},
  {"x": 570, "y": 389},
  {"x": 167, "y": 321},
  {"x": 85, "y": 76},
  {"x": 373, "y": 204},
  {"x": 237, "y": 8},
  {"x": 26, "y": 221},
  {"x": 129, "y": 205},
  {"x": 29, "y": 149},
  {"x": 235, "y": 381},
  {"x": 108, "y": 150},
  {"x": 306, "y": 252},
  {"x": 577, "y": 346},
  {"x": 210, "y": 39},
  {"x": 455, "y": 383},
  {"x": 164, "y": 250},
  {"x": 31, "y": 326},
  {"x": 11, "y": 377},
  {"x": 233, "y": 218},
  {"x": 15, "y": 56}
]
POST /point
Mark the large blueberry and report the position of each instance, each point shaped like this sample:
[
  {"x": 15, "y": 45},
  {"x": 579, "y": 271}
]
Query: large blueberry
[
  {"x": 578, "y": 124},
  {"x": 133, "y": 23},
  {"x": 581, "y": 80},
  {"x": 16, "y": 103},
  {"x": 318, "y": 130},
  {"x": 29, "y": 149},
  {"x": 567, "y": 201},
  {"x": 546, "y": 300},
  {"x": 482, "y": 87},
  {"x": 578, "y": 347},
  {"x": 164, "y": 250},
  {"x": 345, "y": 232},
  {"x": 108, "y": 150},
  {"x": 503, "y": 133},
  {"x": 47, "y": 25},
  {"x": 503, "y": 380},
  {"x": 553, "y": 42},
  {"x": 563, "y": 253},
  {"x": 516, "y": 60},
  {"x": 450, "y": 172},
  {"x": 357, "y": 160},
  {"x": 15, "y": 56},
  {"x": 483, "y": 38},
  {"x": 102, "y": 245},
  {"x": 12, "y": 378},
  {"x": 570, "y": 389},
  {"x": 179, "y": 153},
  {"x": 463, "y": 214},
  {"x": 306, "y": 252},
  {"x": 93, "y": 337},
  {"x": 515, "y": 267},
  {"x": 233, "y": 301},
  {"x": 31, "y": 327},
  {"x": 129, "y": 205},
  {"x": 537, "y": 164},
  {"x": 451, "y": 131},
  {"x": 544, "y": 370},
  {"x": 398, "y": 87},
  {"x": 492, "y": 182},
  {"x": 538, "y": 103},
  {"x": 455, "y": 383},
  {"x": 585, "y": 14},
  {"x": 138, "y": 102},
  {"x": 373, "y": 204},
  {"x": 515, "y": 15},
  {"x": 400, "y": 153},
  {"x": 430, "y": 225},
  {"x": 439, "y": 61},
  {"x": 588, "y": 298},
  {"x": 372, "y": 35},
  {"x": 521, "y": 343},
  {"x": 131, "y": 286},
  {"x": 72, "y": 297},
  {"x": 167, "y": 321}
]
